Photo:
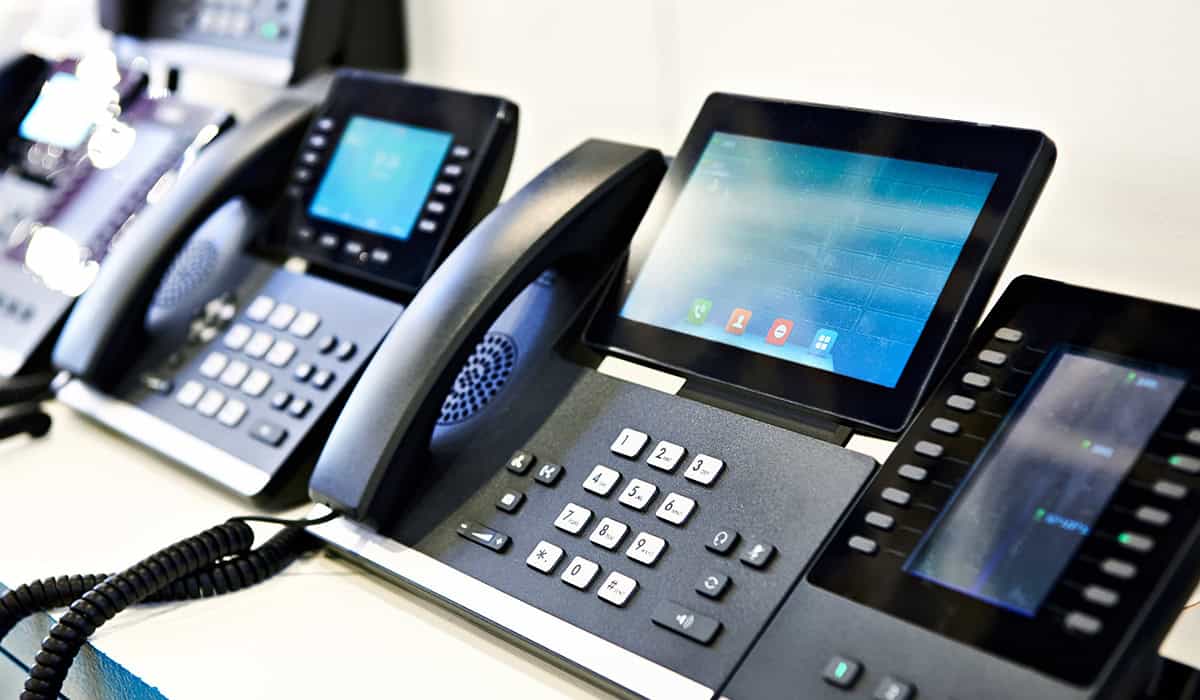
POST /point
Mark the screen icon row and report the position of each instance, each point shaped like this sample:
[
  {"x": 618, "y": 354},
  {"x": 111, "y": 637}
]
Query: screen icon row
[{"x": 778, "y": 333}]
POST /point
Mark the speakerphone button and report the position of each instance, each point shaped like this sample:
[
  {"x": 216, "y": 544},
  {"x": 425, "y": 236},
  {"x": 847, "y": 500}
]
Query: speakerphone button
[
  {"x": 977, "y": 380},
  {"x": 1009, "y": 335},
  {"x": 680, "y": 620},
  {"x": 896, "y": 496},
  {"x": 928, "y": 449},
  {"x": 993, "y": 358},
  {"x": 863, "y": 544},
  {"x": 269, "y": 433},
  {"x": 945, "y": 426},
  {"x": 1184, "y": 463},
  {"x": 1118, "y": 568},
  {"x": 962, "y": 403},
  {"x": 1152, "y": 516},
  {"x": 1101, "y": 596},
  {"x": 1170, "y": 489},
  {"x": 883, "y": 521},
  {"x": 1081, "y": 623}
]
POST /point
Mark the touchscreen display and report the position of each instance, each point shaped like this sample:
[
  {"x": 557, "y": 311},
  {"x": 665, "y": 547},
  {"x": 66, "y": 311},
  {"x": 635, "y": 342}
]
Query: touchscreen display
[
  {"x": 64, "y": 112},
  {"x": 1045, "y": 478},
  {"x": 380, "y": 176},
  {"x": 821, "y": 257}
]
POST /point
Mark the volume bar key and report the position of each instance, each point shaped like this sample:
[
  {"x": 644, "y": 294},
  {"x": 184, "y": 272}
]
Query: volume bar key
[{"x": 483, "y": 536}]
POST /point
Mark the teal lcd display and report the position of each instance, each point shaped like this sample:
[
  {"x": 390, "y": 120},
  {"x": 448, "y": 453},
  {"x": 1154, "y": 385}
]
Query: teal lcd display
[
  {"x": 380, "y": 176},
  {"x": 63, "y": 114}
]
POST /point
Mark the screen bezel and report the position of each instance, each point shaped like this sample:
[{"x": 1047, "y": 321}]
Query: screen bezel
[{"x": 1009, "y": 153}]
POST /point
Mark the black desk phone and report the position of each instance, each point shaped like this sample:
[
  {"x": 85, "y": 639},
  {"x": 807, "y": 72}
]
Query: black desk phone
[
  {"x": 797, "y": 265},
  {"x": 85, "y": 150},
  {"x": 216, "y": 355}
]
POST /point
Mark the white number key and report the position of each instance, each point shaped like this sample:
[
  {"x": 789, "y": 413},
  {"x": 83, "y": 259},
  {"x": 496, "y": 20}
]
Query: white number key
[
  {"x": 616, "y": 589},
  {"x": 544, "y": 557},
  {"x": 602, "y": 480},
  {"x": 573, "y": 519},
  {"x": 646, "y": 548},
  {"x": 704, "y": 469},
  {"x": 629, "y": 443},
  {"x": 609, "y": 533},
  {"x": 665, "y": 456},
  {"x": 675, "y": 509},
  {"x": 580, "y": 572},
  {"x": 638, "y": 494}
]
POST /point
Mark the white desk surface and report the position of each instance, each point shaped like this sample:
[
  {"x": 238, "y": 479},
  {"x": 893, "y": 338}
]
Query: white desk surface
[{"x": 1114, "y": 87}]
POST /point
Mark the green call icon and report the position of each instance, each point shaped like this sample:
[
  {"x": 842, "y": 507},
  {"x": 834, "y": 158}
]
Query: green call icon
[{"x": 698, "y": 314}]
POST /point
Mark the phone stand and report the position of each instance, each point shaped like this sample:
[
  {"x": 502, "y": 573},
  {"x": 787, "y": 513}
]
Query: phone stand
[{"x": 20, "y": 406}]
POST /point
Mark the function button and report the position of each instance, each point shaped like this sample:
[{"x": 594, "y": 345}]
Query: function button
[
  {"x": 646, "y": 548},
  {"x": 214, "y": 364},
  {"x": 326, "y": 344},
  {"x": 304, "y": 233},
  {"x": 189, "y": 394},
  {"x": 296, "y": 192},
  {"x": 435, "y": 207},
  {"x": 232, "y": 414},
  {"x": 256, "y": 383},
  {"x": 549, "y": 473},
  {"x": 427, "y": 226},
  {"x": 1136, "y": 542},
  {"x": 157, "y": 384},
  {"x": 993, "y": 358},
  {"x": 712, "y": 584},
  {"x": 298, "y": 408},
  {"x": 444, "y": 188},
  {"x": 259, "y": 344},
  {"x": 863, "y": 544},
  {"x": 483, "y": 535},
  {"x": 322, "y": 378},
  {"x": 722, "y": 541},
  {"x": 602, "y": 480},
  {"x": 680, "y": 620},
  {"x": 1118, "y": 568},
  {"x": 882, "y": 521},
  {"x": 1152, "y": 516},
  {"x": 675, "y": 509},
  {"x": 260, "y": 308},
  {"x": 1184, "y": 463},
  {"x": 309, "y": 158},
  {"x": 896, "y": 496},
  {"x": 281, "y": 353},
  {"x": 573, "y": 519},
  {"x": 453, "y": 170},
  {"x": 629, "y": 443},
  {"x": 756, "y": 555},
  {"x": 510, "y": 501},
  {"x": 638, "y": 494},
  {"x": 304, "y": 371},
  {"x": 665, "y": 456},
  {"x": 353, "y": 248},
  {"x": 460, "y": 151},
  {"x": 962, "y": 403},
  {"x": 1193, "y": 436},
  {"x": 1081, "y": 623},
  {"x": 704, "y": 469},
  {"x": 1170, "y": 489},
  {"x": 280, "y": 400},
  {"x": 381, "y": 256},
  {"x": 1009, "y": 335},
  {"x": 282, "y": 316},
  {"x": 977, "y": 380},
  {"x": 928, "y": 449},
  {"x": 945, "y": 426},
  {"x": 318, "y": 142},
  {"x": 326, "y": 124},
  {"x": 891, "y": 688},
  {"x": 912, "y": 472},
  {"x": 544, "y": 557},
  {"x": 580, "y": 573},
  {"x": 345, "y": 350},
  {"x": 520, "y": 462},
  {"x": 328, "y": 241},
  {"x": 842, "y": 672},
  {"x": 617, "y": 589},
  {"x": 237, "y": 336},
  {"x": 235, "y": 373},
  {"x": 1101, "y": 596},
  {"x": 306, "y": 322},
  {"x": 608, "y": 533},
  {"x": 302, "y": 175},
  {"x": 210, "y": 403}
]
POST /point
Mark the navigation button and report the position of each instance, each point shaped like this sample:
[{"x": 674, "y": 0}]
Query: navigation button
[
  {"x": 1009, "y": 335},
  {"x": 842, "y": 672},
  {"x": 961, "y": 403},
  {"x": 1118, "y": 568},
  {"x": 864, "y": 545},
  {"x": 712, "y": 584},
  {"x": 680, "y": 620},
  {"x": 1152, "y": 516},
  {"x": 912, "y": 472},
  {"x": 1101, "y": 596},
  {"x": 1081, "y": 623},
  {"x": 977, "y": 380},
  {"x": 1184, "y": 463},
  {"x": 544, "y": 557},
  {"x": 882, "y": 521},
  {"x": 483, "y": 536},
  {"x": 452, "y": 170},
  {"x": 993, "y": 358}
]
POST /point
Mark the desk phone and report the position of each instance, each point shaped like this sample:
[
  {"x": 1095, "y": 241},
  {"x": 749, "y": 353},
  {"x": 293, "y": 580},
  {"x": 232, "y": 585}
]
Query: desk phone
[
  {"x": 797, "y": 265},
  {"x": 1034, "y": 532},
  {"x": 213, "y": 353},
  {"x": 88, "y": 151}
]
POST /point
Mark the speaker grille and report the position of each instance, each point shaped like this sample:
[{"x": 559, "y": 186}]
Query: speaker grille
[
  {"x": 481, "y": 378},
  {"x": 190, "y": 268}
]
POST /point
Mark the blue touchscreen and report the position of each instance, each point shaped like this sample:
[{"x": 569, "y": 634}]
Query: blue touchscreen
[
  {"x": 380, "y": 175},
  {"x": 63, "y": 114},
  {"x": 826, "y": 258},
  {"x": 1045, "y": 478}
]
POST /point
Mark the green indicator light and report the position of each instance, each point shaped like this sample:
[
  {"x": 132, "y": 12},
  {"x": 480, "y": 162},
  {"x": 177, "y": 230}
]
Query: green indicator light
[
  {"x": 1174, "y": 460},
  {"x": 841, "y": 669},
  {"x": 1130, "y": 377},
  {"x": 1041, "y": 513},
  {"x": 1086, "y": 444},
  {"x": 269, "y": 30},
  {"x": 1123, "y": 538}
]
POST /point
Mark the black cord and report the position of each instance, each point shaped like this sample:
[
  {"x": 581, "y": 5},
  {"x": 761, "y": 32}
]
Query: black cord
[{"x": 299, "y": 522}]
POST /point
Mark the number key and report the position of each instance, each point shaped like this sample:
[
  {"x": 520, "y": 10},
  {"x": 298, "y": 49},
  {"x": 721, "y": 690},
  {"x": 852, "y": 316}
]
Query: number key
[
  {"x": 629, "y": 443},
  {"x": 609, "y": 533},
  {"x": 676, "y": 509},
  {"x": 580, "y": 572},
  {"x": 665, "y": 456},
  {"x": 646, "y": 548},
  {"x": 602, "y": 480},
  {"x": 704, "y": 469},
  {"x": 638, "y": 494},
  {"x": 573, "y": 518}
]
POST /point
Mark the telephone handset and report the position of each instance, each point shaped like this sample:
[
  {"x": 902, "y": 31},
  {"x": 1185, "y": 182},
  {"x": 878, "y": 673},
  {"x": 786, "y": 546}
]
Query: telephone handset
[{"x": 201, "y": 346}]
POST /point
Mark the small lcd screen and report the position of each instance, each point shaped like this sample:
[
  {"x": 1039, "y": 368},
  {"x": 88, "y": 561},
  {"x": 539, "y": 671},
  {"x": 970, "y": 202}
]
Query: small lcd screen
[
  {"x": 821, "y": 257},
  {"x": 1045, "y": 478},
  {"x": 380, "y": 176},
  {"x": 63, "y": 114}
]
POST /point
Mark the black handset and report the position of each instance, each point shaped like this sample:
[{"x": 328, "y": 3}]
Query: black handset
[{"x": 202, "y": 346}]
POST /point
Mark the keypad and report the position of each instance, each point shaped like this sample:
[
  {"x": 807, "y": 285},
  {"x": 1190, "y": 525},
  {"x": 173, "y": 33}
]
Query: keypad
[
  {"x": 638, "y": 494},
  {"x": 629, "y": 443},
  {"x": 609, "y": 533},
  {"x": 617, "y": 589},
  {"x": 573, "y": 518},
  {"x": 602, "y": 480},
  {"x": 675, "y": 509},
  {"x": 580, "y": 572},
  {"x": 665, "y": 456},
  {"x": 544, "y": 557},
  {"x": 646, "y": 548},
  {"x": 704, "y": 469}
]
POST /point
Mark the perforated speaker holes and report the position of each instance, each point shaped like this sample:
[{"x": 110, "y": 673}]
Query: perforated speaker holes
[
  {"x": 481, "y": 378},
  {"x": 190, "y": 268}
]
